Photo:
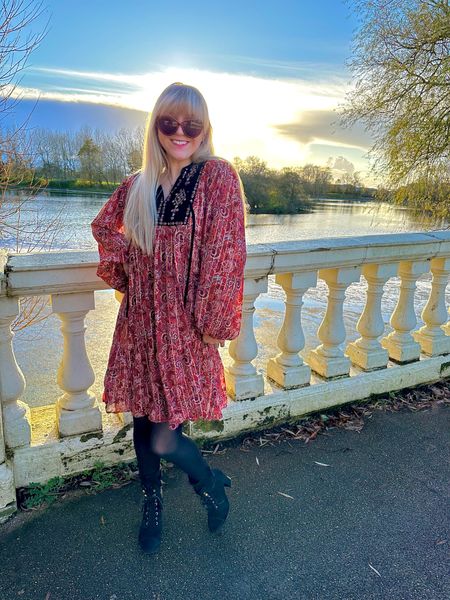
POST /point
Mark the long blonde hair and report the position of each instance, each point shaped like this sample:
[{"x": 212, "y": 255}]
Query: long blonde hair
[{"x": 141, "y": 212}]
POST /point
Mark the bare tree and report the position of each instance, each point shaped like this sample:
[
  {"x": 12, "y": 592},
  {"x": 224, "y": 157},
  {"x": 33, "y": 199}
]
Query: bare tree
[
  {"x": 18, "y": 231},
  {"x": 15, "y": 49},
  {"x": 92, "y": 155}
]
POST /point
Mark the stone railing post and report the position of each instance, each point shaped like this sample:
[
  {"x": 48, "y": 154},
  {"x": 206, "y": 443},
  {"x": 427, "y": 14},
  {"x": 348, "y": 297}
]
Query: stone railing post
[
  {"x": 287, "y": 369},
  {"x": 431, "y": 336},
  {"x": 12, "y": 384},
  {"x": 16, "y": 414},
  {"x": 328, "y": 359},
  {"x": 76, "y": 409},
  {"x": 241, "y": 378},
  {"x": 8, "y": 503},
  {"x": 400, "y": 343},
  {"x": 366, "y": 352}
]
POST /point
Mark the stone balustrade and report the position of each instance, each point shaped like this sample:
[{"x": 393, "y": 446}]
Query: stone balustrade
[{"x": 68, "y": 434}]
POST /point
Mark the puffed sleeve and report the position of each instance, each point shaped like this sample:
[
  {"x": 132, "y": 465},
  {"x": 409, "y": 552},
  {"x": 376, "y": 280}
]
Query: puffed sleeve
[
  {"x": 218, "y": 301},
  {"x": 107, "y": 229}
]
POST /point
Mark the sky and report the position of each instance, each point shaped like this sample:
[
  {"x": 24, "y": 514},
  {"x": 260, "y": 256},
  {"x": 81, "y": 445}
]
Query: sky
[{"x": 273, "y": 73}]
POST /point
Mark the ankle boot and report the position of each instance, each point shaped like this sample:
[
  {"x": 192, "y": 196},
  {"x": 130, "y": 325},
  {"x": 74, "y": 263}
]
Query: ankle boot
[
  {"x": 212, "y": 493},
  {"x": 151, "y": 527}
]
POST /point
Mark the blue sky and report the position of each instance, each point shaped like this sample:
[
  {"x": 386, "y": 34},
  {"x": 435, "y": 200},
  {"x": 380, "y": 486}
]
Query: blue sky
[
  {"x": 236, "y": 36},
  {"x": 280, "y": 64}
]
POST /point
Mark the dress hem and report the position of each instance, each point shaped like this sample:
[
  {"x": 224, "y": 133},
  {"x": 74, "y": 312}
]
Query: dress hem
[{"x": 173, "y": 424}]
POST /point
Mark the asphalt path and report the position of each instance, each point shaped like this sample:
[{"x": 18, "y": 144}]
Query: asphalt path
[{"x": 372, "y": 524}]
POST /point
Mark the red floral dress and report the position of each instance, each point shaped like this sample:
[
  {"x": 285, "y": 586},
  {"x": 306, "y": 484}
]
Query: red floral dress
[{"x": 193, "y": 283}]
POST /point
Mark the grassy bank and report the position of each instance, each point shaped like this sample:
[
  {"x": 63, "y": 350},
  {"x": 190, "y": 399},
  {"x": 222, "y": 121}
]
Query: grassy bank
[
  {"x": 78, "y": 186},
  {"x": 350, "y": 196}
]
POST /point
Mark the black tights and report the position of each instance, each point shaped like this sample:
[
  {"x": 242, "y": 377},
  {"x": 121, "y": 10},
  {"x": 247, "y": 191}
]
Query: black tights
[{"x": 153, "y": 441}]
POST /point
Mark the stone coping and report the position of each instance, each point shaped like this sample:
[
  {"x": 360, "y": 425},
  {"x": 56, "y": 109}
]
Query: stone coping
[{"x": 38, "y": 273}]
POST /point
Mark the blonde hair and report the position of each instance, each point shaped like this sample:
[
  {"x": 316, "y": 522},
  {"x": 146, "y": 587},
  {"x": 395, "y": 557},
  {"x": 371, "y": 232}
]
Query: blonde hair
[{"x": 141, "y": 212}]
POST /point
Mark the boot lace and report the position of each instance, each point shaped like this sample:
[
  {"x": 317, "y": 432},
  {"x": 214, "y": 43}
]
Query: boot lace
[
  {"x": 151, "y": 508},
  {"x": 210, "y": 501}
]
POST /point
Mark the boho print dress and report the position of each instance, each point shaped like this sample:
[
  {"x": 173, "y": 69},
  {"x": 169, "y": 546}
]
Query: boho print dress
[{"x": 193, "y": 283}]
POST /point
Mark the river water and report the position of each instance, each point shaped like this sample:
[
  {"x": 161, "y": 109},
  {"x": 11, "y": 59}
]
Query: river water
[{"x": 38, "y": 347}]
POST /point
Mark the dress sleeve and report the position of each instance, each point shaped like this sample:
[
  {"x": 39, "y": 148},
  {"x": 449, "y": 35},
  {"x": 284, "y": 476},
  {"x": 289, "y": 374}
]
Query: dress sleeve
[
  {"x": 219, "y": 295},
  {"x": 107, "y": 229}
]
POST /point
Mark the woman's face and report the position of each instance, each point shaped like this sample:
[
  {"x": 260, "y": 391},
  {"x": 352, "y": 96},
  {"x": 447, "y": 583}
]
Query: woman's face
[{"x": 179, "y": 146}]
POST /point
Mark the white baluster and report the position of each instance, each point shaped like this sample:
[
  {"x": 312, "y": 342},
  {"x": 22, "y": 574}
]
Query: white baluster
[
  {"x": 16, "y": 414},
  {"x": 400, "y": 343},
  {"x": 287, "y": 369},
  {"x": 366, "y": 352},
  {"x": 431, "y": 337},
  {"x": 2, "y": 438},
  {"x": 241, "y": 378},
  {"x": 446, "y": 327},
  {"x": 328, "y": 359},
  {"x": 126, "y": 417},
  {"x": 76, "y": 409}
]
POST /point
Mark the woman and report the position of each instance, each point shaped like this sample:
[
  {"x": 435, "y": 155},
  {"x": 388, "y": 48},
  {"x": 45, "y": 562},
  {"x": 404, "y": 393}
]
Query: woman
[{"x": 172, "y": 239}]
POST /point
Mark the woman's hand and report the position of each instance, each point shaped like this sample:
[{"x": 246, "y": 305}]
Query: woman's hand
[
  {"x": 212, "y": 341},
  {"x": 125, "y": 268}
]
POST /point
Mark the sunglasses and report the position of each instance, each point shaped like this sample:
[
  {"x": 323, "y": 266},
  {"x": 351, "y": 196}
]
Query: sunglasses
[{"x": 191, "y": 128}]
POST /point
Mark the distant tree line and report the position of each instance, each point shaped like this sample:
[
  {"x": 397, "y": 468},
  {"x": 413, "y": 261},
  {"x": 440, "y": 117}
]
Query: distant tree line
[
  {"x": 292, "y": 189},
  {"x": 93, "y": 156},
  {"x": 96, "y": 160}
]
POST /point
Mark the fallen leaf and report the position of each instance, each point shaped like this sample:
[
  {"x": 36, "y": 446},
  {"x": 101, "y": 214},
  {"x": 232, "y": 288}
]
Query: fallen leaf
[
  {"x": 373, "y": 569},
  {"x": 287, "y": 495},
  {"x": 321, "y": 464},
  {"x": 102, "y": 520},
  {"x": 288, "y": 431},
  {"x": 257, "y": 461}
]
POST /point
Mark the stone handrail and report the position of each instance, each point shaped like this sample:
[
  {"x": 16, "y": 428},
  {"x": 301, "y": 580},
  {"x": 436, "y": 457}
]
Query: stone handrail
[{"x": 70, "y": 279}]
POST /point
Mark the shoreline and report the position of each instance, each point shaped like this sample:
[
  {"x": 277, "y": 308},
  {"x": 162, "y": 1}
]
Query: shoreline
[{"x": 94, "y": 192}]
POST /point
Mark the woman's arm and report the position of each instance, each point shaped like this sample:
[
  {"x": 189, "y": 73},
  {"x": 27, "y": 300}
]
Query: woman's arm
[
  {"x": 218, "y": 302},
  {"x": 107, "y": 229}
]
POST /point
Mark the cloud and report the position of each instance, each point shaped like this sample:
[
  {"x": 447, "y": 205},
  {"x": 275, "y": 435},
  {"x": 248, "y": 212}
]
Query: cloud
[
  {"x": 321, "y": 126},
  {"x": 269, "y": 68},
  {"x": 341, "y": 164},
  {"x": 132, "y": 80}
]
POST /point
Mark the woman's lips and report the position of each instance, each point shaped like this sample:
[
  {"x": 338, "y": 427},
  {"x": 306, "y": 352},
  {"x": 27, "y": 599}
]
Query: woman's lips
[{"x": 180, "y": 143}]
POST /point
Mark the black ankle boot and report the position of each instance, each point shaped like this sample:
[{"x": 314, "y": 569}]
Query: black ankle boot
[
  {"x": 212, "y": 493},
  {"x": 151, "y": 526}
]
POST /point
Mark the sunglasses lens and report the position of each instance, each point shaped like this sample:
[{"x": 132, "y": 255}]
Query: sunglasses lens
[
  {"x": 192, "y": 128},
  {"x": 167, "y": 126}
]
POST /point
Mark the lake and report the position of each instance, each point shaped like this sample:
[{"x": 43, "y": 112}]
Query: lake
[{"x": 38, "y": 348}]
